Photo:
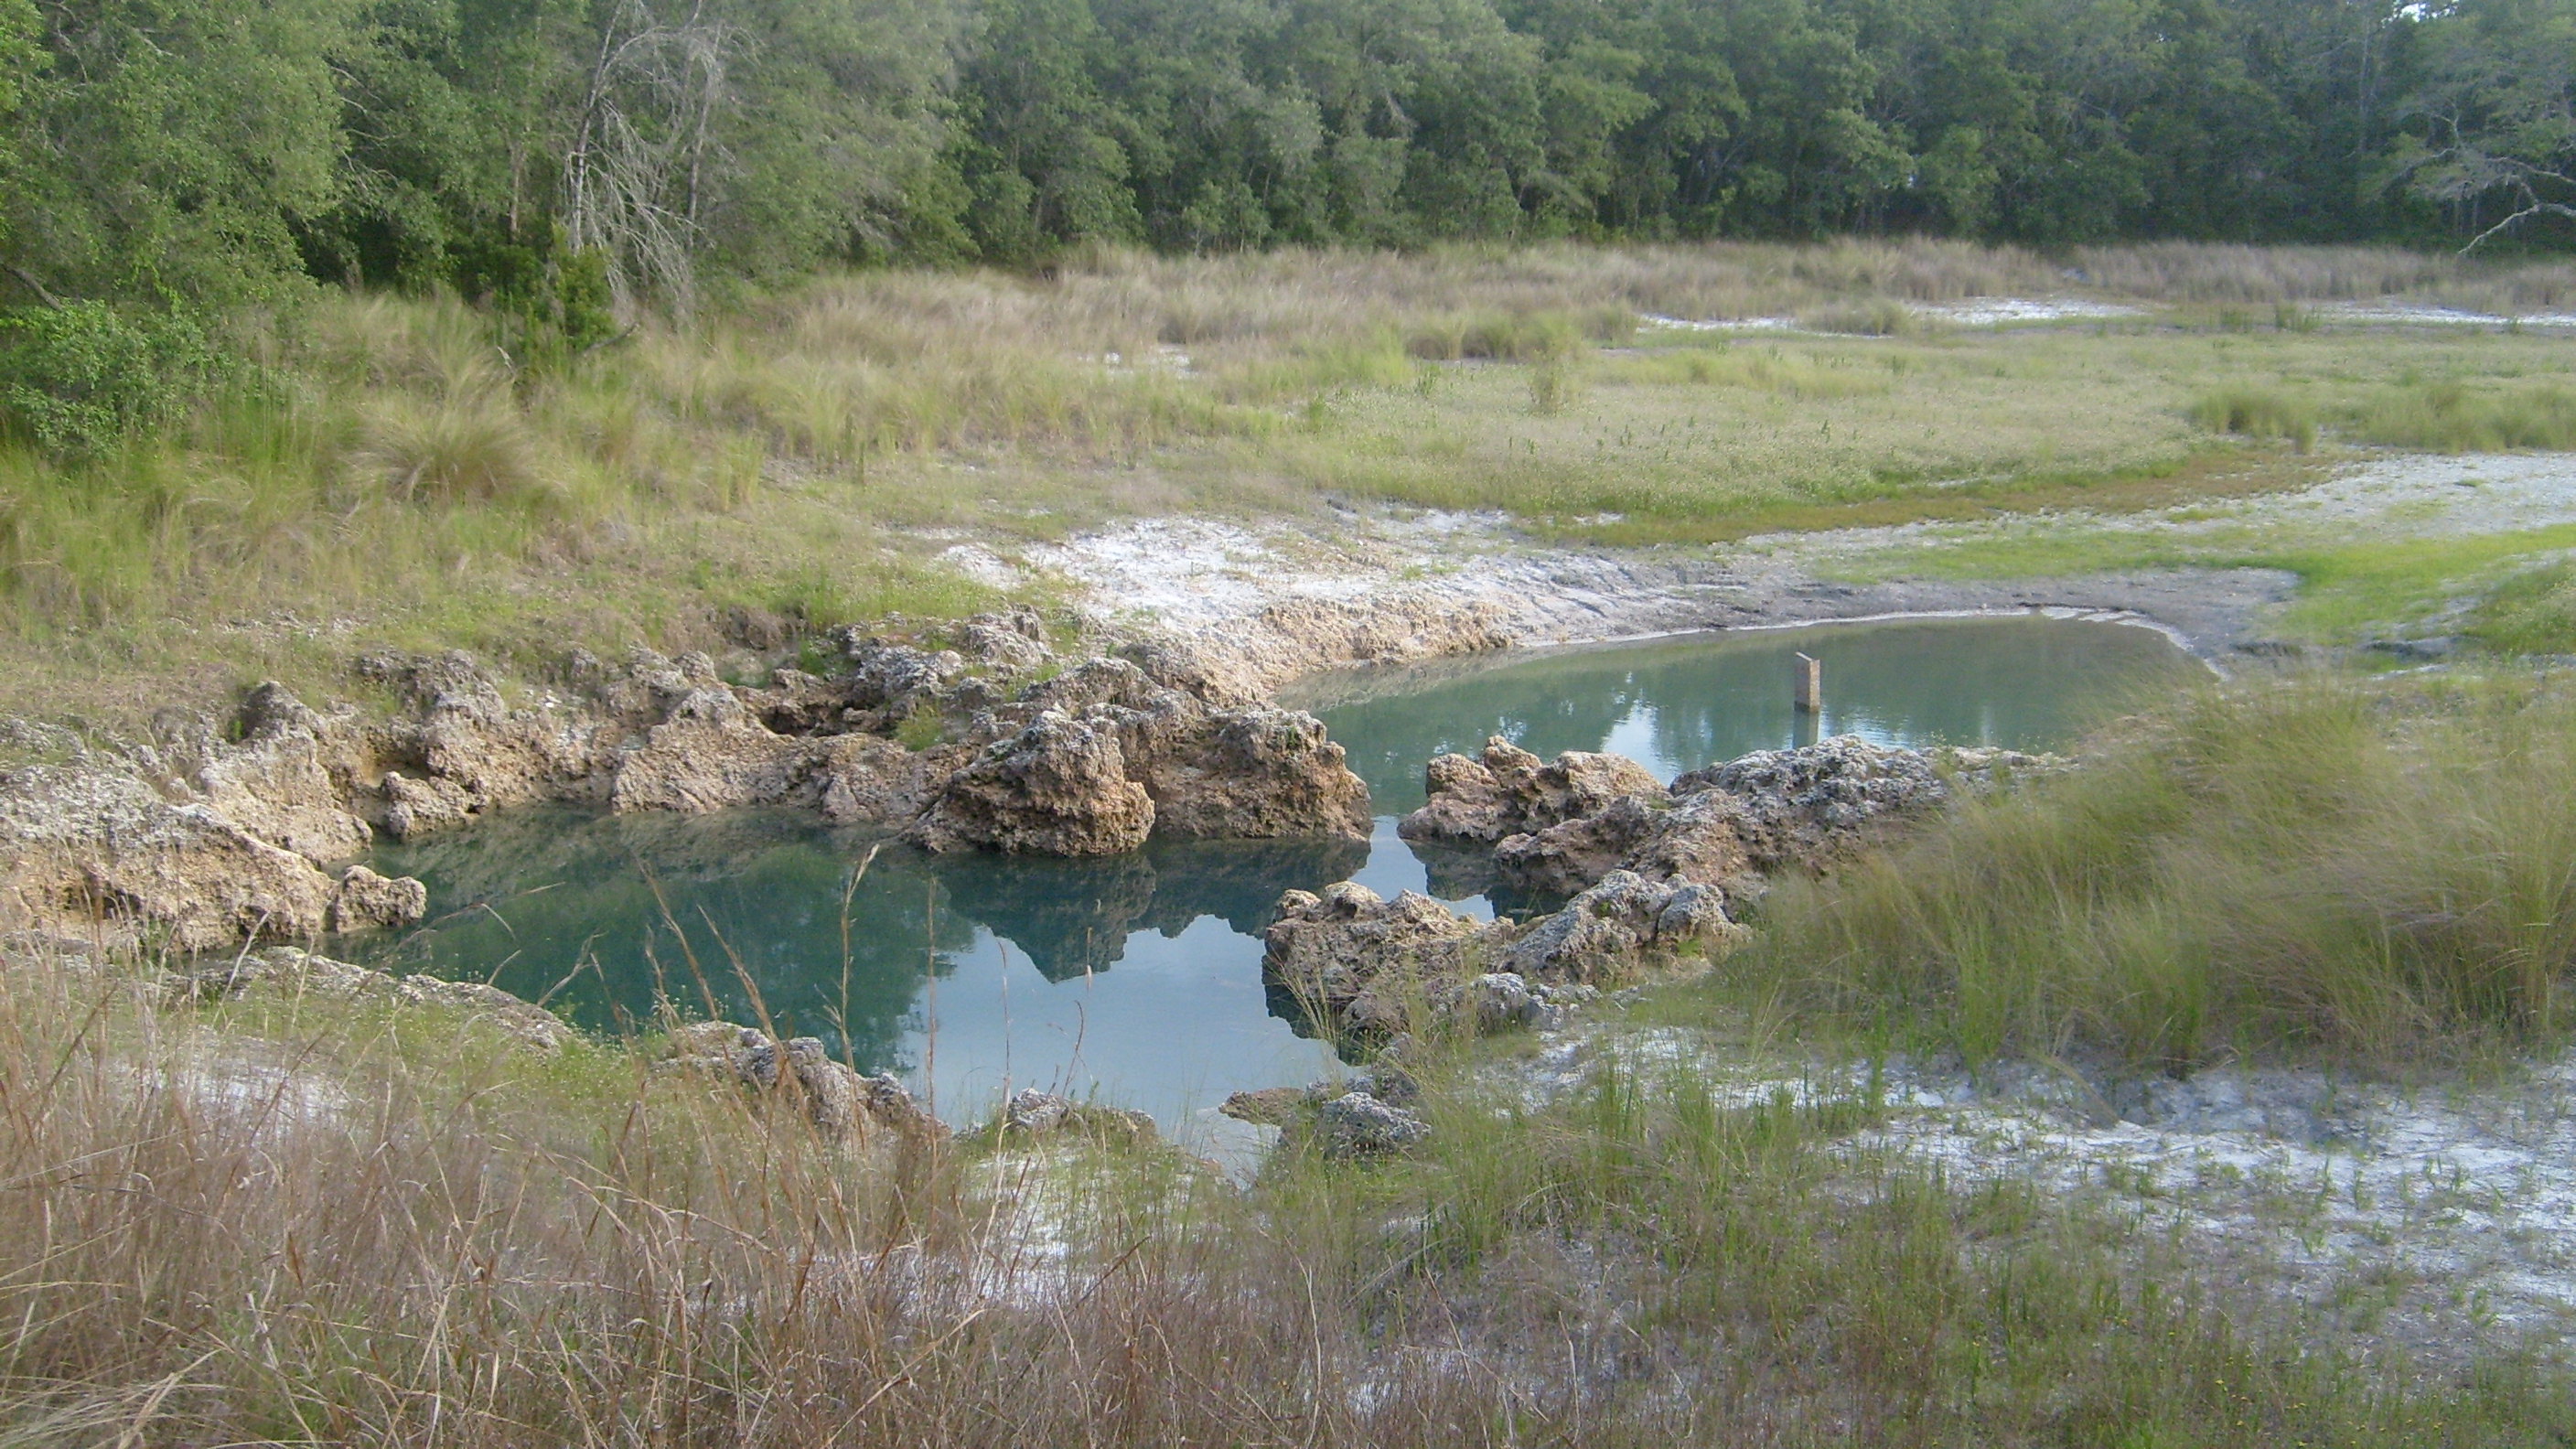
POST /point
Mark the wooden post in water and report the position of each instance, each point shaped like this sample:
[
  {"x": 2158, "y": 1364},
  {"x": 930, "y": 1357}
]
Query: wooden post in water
[{"x": 1807, "y": 686}]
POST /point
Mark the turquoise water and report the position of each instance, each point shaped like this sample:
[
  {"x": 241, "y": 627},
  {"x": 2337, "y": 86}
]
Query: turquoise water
[{"x": 1137, "y": 979}]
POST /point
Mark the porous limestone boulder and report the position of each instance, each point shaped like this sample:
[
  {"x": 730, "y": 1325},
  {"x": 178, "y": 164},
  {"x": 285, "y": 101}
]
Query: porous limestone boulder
[
  {"x": 1357, "y": 1125},
  {"x": 1257, "y": 774},
  {"x": 1812, "y": 805},
  {"x": 1508, "y": 791},
  {"x": 842, "y": 1103},
  {"x": 1359, "y": 964},
  {"x": 1607, "y": 933},
  {"x": 1058, "y": 787},
  {"x": 368, "y": 901}
]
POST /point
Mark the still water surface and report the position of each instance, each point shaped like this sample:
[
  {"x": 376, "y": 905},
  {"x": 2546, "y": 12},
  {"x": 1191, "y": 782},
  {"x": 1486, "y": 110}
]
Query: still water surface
[{"x": 1138, "y": 979}]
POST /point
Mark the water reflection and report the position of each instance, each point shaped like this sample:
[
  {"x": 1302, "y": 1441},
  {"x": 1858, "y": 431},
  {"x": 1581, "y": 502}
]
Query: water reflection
[
  {"x": 1677, "y": 704},
  {"x": 1138, "y": 978}
]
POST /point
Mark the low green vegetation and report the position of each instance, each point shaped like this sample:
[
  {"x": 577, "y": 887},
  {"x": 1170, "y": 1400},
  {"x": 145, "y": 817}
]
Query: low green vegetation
[
  {"x": 2533, "y": 612},
  {"x": 2378, "y": 874},
  {"x": 393, "y": 470}
]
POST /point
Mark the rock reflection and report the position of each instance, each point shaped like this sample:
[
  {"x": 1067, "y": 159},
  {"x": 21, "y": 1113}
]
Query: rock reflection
[{"x": 746, "y": 911}]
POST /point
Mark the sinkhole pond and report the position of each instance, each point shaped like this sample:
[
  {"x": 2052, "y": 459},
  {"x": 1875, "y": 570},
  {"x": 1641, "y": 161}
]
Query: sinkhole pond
[{"x": 1136, "y": 980}]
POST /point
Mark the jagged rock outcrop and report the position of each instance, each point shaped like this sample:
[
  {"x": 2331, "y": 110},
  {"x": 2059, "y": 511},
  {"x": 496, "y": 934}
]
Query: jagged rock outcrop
[
  {"x": 712, "y": 755},
  {"x": 1510, "y": 792},
  {"x": 842, "y": 1103},
  {"x": 1813, "y": 804},
  {"x": 1058, "y": 787},
  {"x": 1362, "y": 965},
  {"x": 209, "y": 836},
  {"x": 1601, "y": 933},
  {"x": 1727, "y": 825}
]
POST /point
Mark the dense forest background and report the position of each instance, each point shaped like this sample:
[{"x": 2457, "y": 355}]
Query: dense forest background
[{"x": 569, "y": 157}]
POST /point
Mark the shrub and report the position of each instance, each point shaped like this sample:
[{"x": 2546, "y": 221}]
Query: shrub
[{"x": 78, "y": 378}]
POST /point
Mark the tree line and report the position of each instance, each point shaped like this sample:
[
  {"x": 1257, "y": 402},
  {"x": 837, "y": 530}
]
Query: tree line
[{"x": 559, "y": 159}]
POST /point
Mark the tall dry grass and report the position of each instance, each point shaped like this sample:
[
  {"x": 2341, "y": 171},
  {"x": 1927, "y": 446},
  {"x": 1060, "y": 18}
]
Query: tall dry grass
[
  {"x": 2380, "y": 873},
  {"x": 388, "y": 458},
  {"x": 301, "y": 1223}
]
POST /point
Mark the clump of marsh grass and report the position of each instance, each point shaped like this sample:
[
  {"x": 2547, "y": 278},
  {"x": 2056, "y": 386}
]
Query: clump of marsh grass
[
  {"x": 2315, "y": 866},
  {"x": 2454, "y": 417},
  {"x": 2533, "y": 612},
  {"x": 2254, "y": 412}
]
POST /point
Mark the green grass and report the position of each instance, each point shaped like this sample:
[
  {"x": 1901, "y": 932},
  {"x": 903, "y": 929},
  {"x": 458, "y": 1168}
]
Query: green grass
[
  {"x": 2376, "y": 874},
  {"x": 2533, "y": 612},
  {"x": 388, "y": 475}
]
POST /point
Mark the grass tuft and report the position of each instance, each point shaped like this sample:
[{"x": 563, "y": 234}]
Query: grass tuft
[
  {"x": 2309, "y": 867},
  {"x": 2258, "y": 413}
]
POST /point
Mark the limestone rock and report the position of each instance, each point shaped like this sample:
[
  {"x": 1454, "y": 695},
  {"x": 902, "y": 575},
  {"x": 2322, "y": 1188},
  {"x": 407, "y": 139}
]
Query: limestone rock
[
  {"x": 841, "y": 1103},
  {"x": 1358, "y": 1125},
  {"x": 1602, "y": 933},
  {"x": 1058, "y": 787},
  {"x": 866, "y": 778},
  {"x": 1813, "y": 804},
  {"x": 1268, "y": 1107},
  {"x": 711, "y": 755},
  {"x": 368, "y": 901},
  {"x": 1509, "y": 792},
  {"x": 279, "y": 783},
  {"x": 1358, "y": 963},
  {"x": 1258, "y": 774},
  {"x": 1032, "y": 1112},
  {"x": 1572, "y": 854},
  {"x": 288, "y": 971},
  {"x": 417, "y": 806}
]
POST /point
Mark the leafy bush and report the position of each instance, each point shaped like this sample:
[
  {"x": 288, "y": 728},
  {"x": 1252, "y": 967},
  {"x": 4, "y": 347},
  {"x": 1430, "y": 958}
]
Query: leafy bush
[{"x": 77, "y": 378}]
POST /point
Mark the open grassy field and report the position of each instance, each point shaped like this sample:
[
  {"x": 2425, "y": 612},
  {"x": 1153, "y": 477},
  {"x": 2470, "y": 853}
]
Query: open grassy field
[{"x": 388, "y": 474}]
